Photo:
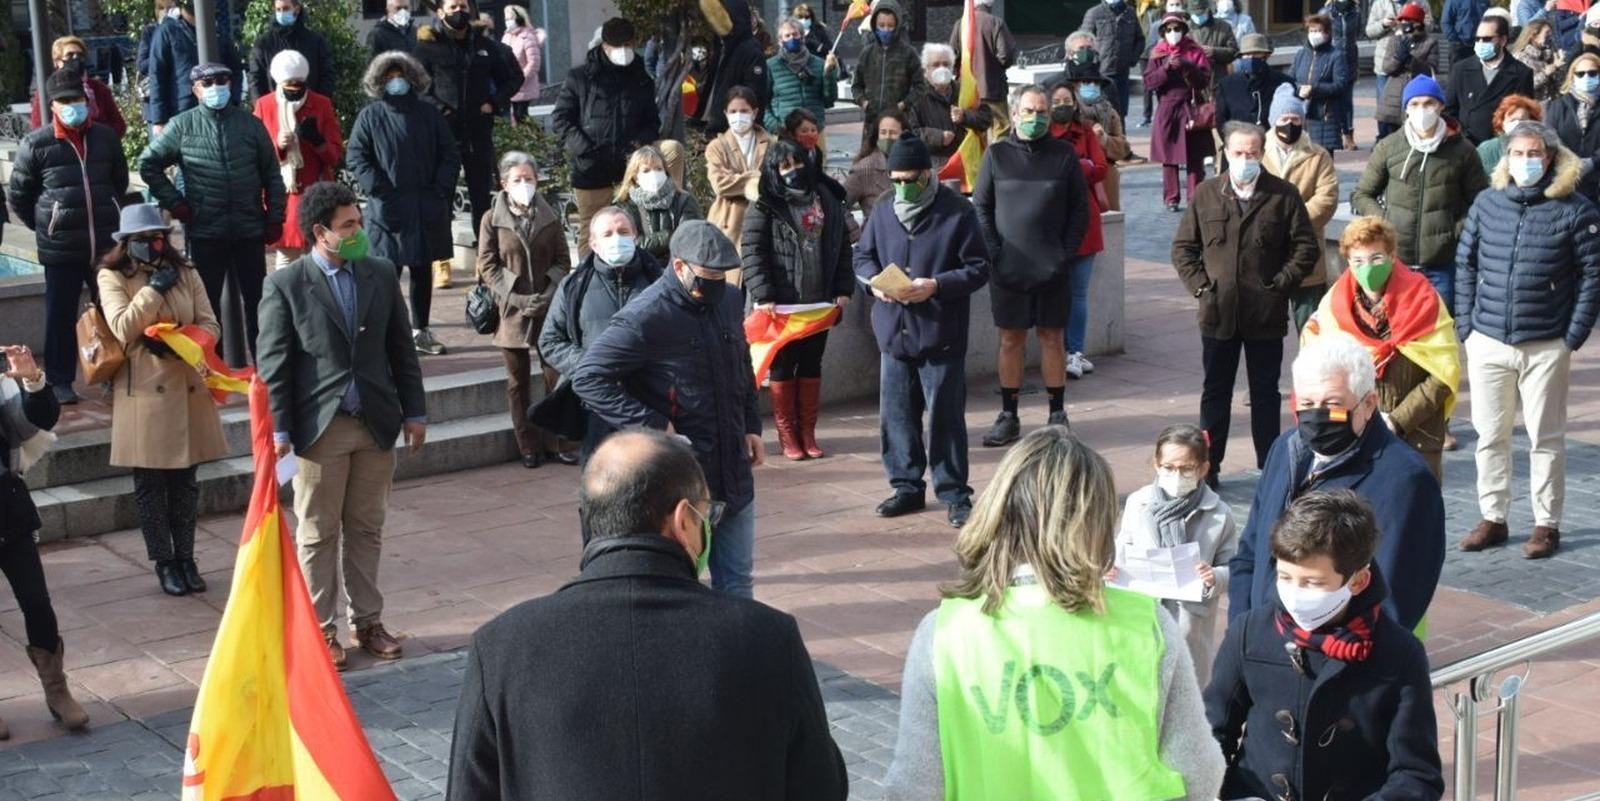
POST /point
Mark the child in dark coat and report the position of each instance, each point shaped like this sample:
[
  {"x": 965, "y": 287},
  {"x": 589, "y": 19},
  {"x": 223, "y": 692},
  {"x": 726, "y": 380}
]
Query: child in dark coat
[{"x": 1332, "y": 695}]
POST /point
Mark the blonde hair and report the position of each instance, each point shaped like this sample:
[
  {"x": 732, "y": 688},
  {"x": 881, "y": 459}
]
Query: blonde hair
[
  {"x": 58, "y": 48},
  {"x": 1053, "y": 506},
  {"x": 639, "y": 159},
  {"x": 1581, "y": 58},
  {"x": 1368, "y": 231}
]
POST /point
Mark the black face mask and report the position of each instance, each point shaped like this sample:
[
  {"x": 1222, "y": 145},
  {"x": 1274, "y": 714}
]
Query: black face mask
[
  {"x": 458, "y": 19},
  {"x": 146, "y": 251},
  {"x": 294, "y": 95},
  {"x": 1289, "y": 132},
  {"x": 1324, "y": 434},
  {"x": 1065, "y": 114},
  {"x": 797, "y": 180},
  {"x": 706, "y": 290}
]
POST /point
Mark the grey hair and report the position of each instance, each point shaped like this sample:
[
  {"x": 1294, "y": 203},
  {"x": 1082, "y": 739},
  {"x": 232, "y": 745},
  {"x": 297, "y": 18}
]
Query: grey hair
[
  {"x": 1077, "y": 36},
  {"x": 790, "y": 22},
  {"x": 1336, "y": 354},
  {"x": 1241, "y": 127},
  {"x": 1023, "y": 91},
  {"x": 514, "y": 159},
  {"x": 933, "y": 50},
  {"x": 409, "y": 66},
  {"x": 1533, "y": 129}
]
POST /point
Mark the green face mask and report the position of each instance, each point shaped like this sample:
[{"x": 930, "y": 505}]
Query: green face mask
[
  {"x": 1034, "y": 127},
  {"x": 704, "y": 558},
  {"x": 884, "y": 143},
  {"x": 1373, "y": 277},
  {"x": 908, "y": 193},
  {"x": 354, "y": 246}
]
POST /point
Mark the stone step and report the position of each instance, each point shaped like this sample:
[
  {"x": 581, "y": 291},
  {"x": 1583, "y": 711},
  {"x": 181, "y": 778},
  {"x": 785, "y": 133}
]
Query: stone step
[
  {"x": 97, "y": 506},
  {"x": 84, "y": 456}
]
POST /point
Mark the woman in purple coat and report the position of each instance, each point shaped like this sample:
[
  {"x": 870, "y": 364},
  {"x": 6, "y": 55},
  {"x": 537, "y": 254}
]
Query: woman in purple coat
[{"x": 1180, "y": 76}]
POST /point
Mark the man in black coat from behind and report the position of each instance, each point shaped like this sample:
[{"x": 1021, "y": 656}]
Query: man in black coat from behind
[{"x": 635, "y": 680}]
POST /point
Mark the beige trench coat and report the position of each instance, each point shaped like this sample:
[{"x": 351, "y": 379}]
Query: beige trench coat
[{"x": 734, "y": 180}]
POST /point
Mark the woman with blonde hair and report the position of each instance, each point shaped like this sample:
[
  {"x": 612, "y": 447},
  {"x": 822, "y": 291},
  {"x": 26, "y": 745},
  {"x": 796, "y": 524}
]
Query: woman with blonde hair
[
  {"x": 1575, "y": 117},
  {"x": 656, "y": 204},
  {"x": 1537, "y": 48},
  {"x": 1035, "y": 680}
]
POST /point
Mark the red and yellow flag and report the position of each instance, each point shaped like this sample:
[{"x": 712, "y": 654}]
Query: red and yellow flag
[
  {"x": 272, "y": 722},
  {"x": 963, "y": 163},
  {"x": 768, "y": 333},
  {"x": 195, "y": 346}
]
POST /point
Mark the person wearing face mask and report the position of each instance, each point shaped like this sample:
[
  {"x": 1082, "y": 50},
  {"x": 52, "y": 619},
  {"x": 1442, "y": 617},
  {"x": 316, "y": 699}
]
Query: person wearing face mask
[
  {"x": 1292, "y": 156},
  {"x": 819, "y": 39},
  {"x": 141, "y": 58},
  {"x": 290, "y": 31},
  {"x": 733, "y": 163},
  {"x": 1340, "y": 442},
  {"x": 66, "y": 182},
  {"x": 163, "y": 419},
  {"x": 522, "y": 256},
  {"x": 1513, "y": 111},
  {"x": 527, "y": 46},
  {"x": 1344, "y": 26},
  {"x": 888, "y": 74},
  {"x": 676, "y": 358},
  {"x": 1396, "y": 315},
  {"x": 1538, "y": 48},
  {"x": 174, "y": 55},
  {"x": 1478, "y": 84},
  {"x": 395, "y": 31},
  {"x": 1151, "y": 13},
  {"x": 1242, "y": 247},
  {"x": 1246, "y": 95},
  {"x": 1095, "y": 109},
  {"x": 405, "y": 160},
  {"x": 1408, "y": 52},
  {"x": 1321, "y": 75},
  {"x": 303, "y": 124},
  {"x": 1177, "y": 509},
  {"x": 1214, "y": 36},
  {"x": 868, "y": 183},
  {"x": 1575, "y": 116},
  {"x": 70, "y": 51},
  {"x": 232, "y": 201},
  {"x": 796, "y": 250},
  {"x": 1527, "y": 296},
  {"x": 1321, "y": 664},
  {"x": 1386, "y": 29},
  {"x": 1118, "y": 43},
  {"x": 936, "y": 115},
  {"x": 656, "y": 205},
  {"x": 1178, "y": 73},
  {"x": 1239, "y": 19},
  {"x": 798, "y": 79},
  {"x": 1459, "y": 23},
  {"x": 1068, "y": 124},
  {"x": 1422, "y": 179},
  {"x": 802, "y": 129},
  {"x": 993, "y": 53}
]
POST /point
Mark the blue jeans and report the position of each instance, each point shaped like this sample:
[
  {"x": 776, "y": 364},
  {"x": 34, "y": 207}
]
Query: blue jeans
[
  {"x": 733, "y": 552},
  {"x": 1443, "y": 279},
  {"x": 1078, "y": 307},
  {"x": 905, "y": 390},
  {"x": 1119, "y": 83}
]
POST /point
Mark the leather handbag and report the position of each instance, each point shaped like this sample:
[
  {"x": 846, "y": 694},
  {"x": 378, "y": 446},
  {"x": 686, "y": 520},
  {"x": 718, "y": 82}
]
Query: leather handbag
[
  {"x": 99, "y": 351},
  {"x": 483, "y": 312},
  {"x": 1202, "y": 112}
]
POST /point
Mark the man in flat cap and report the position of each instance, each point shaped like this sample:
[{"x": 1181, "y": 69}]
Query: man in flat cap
[{"x": 676, "y": 359}]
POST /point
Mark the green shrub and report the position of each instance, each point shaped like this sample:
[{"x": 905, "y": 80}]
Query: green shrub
[
  {"x": 331, "y": 18},
  {"x": 537, "y": 141},
  {"x": 138, "y": 135}
]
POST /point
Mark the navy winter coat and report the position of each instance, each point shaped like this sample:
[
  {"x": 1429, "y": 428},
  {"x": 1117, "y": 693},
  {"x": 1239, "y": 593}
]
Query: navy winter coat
[
  {"x": 70, "y": 202},
  {"x": 1328, "y": 72},
  {"x": 1366, "y": 730},
  {"x": 406, "y": 161},
  {"x": 173, "y": 52},
  {"x": 1347, "y": 26},
  {"x": 1460, "y": 20},
  {"x": 1387, "y": 473},
  {"x": 300, "y": 38},
  {"x": 1248, "y": 97},
  {"x": 667, "y": 358},
  {"x": 1561, "y": 113},
  {"x": 1528, "y": 265},
  {"x": 945, "y": 244}
]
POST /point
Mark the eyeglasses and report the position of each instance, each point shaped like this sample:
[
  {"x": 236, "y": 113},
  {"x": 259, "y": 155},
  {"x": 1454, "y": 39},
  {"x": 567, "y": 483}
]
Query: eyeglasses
[
  {"x": 713, "y": 514},
  {"x": 220, "y": 80},
  {"x": 1485, "y": 38},
  {"x": 1587, "y": 74}
]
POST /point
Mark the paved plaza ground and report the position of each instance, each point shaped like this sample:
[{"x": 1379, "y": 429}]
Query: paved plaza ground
[{"x": 463, "y": 547}]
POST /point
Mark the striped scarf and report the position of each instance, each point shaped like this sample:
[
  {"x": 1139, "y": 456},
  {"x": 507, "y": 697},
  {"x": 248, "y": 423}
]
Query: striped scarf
[{"x": 1351, "y": 642}]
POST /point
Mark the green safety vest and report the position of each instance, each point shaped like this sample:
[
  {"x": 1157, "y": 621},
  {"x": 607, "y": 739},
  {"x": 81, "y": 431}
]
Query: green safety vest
[{"x": 1039, "y": 703}]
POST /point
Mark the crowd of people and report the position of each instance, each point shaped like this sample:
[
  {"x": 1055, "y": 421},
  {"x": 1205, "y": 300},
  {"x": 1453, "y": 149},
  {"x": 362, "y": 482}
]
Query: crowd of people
[{"x": 1475, "y": 232}]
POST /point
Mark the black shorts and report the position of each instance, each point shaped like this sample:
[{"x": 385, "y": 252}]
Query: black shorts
[{"x": 1043, "y": 307}]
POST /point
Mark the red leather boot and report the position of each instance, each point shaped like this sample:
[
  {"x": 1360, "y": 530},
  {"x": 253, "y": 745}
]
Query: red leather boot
[
  {"x": 810, "y": 401},
  {"x": 784, "y": 404}
]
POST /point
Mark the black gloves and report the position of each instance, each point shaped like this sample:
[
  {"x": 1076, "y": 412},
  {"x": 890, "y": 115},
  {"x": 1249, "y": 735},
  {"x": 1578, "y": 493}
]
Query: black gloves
[
  {"x": 159, "y": 348},
  {"x": 307, "y": 130},
  {"x": 164, "y": 279}
]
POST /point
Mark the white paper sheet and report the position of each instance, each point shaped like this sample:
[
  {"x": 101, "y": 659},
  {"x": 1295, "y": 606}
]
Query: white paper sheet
[
  {"x": 288, "y": 466},
  {"x": 1161, "y": 572}
]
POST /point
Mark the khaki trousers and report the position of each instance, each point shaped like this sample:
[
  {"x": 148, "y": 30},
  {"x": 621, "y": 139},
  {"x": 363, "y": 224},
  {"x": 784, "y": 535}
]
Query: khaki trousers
[
  {"x": 1538, "y": 374},
  {"x": 1002, "y": 120},
  {"x": 593, "y": 200},
  {"x": 341, "y": 495}
]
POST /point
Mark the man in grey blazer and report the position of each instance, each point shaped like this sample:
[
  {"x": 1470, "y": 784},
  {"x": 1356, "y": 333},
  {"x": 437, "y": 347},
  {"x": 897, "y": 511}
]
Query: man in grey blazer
[{"x": 342, "y": 378}]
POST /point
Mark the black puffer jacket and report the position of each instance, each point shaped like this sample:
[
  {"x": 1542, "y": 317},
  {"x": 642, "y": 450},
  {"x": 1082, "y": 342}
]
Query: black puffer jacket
[
  {"x": 230, "y": 172},
  {"x": 1033, "y": 205},
  {"x": 1562, "y": 115},
  {"x": 775, "y": 271},
  {"x": 276, "y": 39},
  {"x": 603, "y": 113},
  {"x": 668, "y": 358},
  {"x": 70, "y": 203},
  {"x": 1528, "y": 265},
  {"x": 466, "y": 73},
  {"x": 405, "y": 159},
  {"x": 740, "y": 62}
]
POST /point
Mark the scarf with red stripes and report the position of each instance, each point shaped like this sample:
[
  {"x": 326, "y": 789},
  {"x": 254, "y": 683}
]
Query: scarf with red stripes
[{"x": 1349, "y": 642}]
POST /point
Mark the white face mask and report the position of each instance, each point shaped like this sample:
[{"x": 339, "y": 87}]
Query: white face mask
[
  {"x": 1422, "y": 119},
  {"x": 1224, "y": 6},
  {"x": 1176, "y": 484},
  {"x": 1244, "y": 172},
  {"x": 511, "y": 23},
  {"x": 522, "y": 193},
  {"x": 697, "y": 53},
  {"x": 652, "y": 181},
  {"x": 620, "y": 56},
  {"x": 941, "y": 76},
  {"x": 1526, "y": 171},
  {"x": 1174, "y": 37},
  {"x": 1311, "y": 608},
  {"x": 740, "y": 121},
  {"x": 1317, "y": 38},
  {"x": 401, "y": 17},
  {"x": 616, "y": 250}
]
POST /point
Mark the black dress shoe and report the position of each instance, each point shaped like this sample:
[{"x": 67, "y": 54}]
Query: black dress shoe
[
  {"x": 1059, "y": 419},
  {"x": 1006, "y": 430},
  {"x": 191, "y": 575},
  {"x": 901, "y": 503},
  {"x": 959, "y": 512},
  {"x": 532, "y": 460},
  {"x": 562, "y": 457},
  {"x": 171, "y": 579},
  {"x": 64, "y": 394}
]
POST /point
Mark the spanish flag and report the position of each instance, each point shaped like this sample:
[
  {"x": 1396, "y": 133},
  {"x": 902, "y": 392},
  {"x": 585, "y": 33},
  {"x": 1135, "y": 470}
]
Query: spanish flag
[
  {"x": 964, "y": 162},
  {"x": 272, "y": 722},
  {"x": 198, "y": 348},
  {"x": 1420, "y": 327},
  {"x": 768, "y": 333}
]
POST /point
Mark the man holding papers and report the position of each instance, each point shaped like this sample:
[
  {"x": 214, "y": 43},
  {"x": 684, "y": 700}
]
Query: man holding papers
[{"x": 920, "y": 320}]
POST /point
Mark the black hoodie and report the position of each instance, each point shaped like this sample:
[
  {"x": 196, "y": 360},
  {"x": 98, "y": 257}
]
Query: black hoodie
[
  {"x": 740, "y": 63},
  {"x": 298, "y": 37}
]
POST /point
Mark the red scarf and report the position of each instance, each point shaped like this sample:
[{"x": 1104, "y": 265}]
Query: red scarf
[
  {"x": 1409, "y": 302},
  {"x": 1351, "y": 642},
  {"x": 74, "y": 136}
]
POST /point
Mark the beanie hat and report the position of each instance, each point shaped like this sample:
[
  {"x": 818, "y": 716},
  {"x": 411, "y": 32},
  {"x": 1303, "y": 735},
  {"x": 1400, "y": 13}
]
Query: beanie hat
[
  {"x": 289, "y": 65},
  {"x": 65, "y": 82},
  {"x": 1412, "y": 13},
  {"x": 1285, "y": 101},
  {"x": 1421, "y": 86},
  {"x": 1592, "y": 16},
  {"x": 617, "y": 32},
  {"x": 909, "y": 154}
]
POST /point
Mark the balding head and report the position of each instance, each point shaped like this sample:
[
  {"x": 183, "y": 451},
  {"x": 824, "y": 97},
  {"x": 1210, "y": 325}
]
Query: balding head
[
  {"x": 636, "y": 482},
  {"x": 608, "y": 221}
]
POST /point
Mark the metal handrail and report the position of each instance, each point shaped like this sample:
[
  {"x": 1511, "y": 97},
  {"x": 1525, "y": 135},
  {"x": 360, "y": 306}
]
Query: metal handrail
[{"x": 1479, "y": 672}]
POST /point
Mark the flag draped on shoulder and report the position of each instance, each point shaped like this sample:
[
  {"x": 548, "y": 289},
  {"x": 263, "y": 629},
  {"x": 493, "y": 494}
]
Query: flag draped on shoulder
[
  {"x": 768, "y": 333},
  {"x": 963, "y": 163},
  {"x": 272, "y": 721}
]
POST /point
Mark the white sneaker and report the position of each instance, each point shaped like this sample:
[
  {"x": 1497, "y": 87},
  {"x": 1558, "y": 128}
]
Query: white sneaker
[
  {"x": 1074, "y": 366},
  {"x": 1083, "y": 361}
]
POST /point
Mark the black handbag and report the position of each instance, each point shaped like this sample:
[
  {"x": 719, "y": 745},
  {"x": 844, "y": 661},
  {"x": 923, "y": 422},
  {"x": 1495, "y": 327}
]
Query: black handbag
[
  {"x": 561, "y": 413},
  {"x": 483, "y": 312}
]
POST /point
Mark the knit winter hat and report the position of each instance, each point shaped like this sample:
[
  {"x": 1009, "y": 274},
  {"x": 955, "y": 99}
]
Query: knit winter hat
[
  {"x": 1421, "y": 86},
  {"x": 909, "y": 153},
  {"x": 1285, "y": 101},
  {"x": 289, "y": 65}
]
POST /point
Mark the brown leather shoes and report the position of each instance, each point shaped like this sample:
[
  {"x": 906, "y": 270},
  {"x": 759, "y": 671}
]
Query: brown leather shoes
[
  {"x": 1486, "y": 535},
  {"x": 376, "y": 640},
  {"x": 1543, "y": 543},
  {"x": 336, "y": 652}
]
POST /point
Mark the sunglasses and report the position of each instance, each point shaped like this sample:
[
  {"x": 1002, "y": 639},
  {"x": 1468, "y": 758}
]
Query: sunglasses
[
  {"x": 217, "y": 81},
  {"x": 1587, "y": 74},
  {"x": 1485, "y": 38}
]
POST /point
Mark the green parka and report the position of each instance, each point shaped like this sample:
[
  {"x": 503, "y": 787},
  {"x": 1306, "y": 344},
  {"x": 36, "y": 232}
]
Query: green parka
[
  {"x": 231, "y": 181},
  {"x": 815, "y": 91},
  {"x": 1425, "y": 196}
]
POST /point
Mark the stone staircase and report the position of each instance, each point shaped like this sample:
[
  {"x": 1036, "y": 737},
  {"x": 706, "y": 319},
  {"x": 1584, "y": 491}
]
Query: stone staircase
[{"x": 80, "y": 494}]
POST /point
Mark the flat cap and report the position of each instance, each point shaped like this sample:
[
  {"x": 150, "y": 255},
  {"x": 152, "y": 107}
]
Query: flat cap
[
  {"x": 210, "y": 69},
  {"x": 701, "y": 244}
]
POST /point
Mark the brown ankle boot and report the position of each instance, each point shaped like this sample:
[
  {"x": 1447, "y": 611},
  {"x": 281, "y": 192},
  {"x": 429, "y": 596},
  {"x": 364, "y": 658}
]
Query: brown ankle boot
[
  {"x": 1543, "y": 543},
  {"x": 1488, "y": 534},
  {"x": 810, "y": 404},
  {"x": 56, "y": 695},
  {"x": 784, "y": 419}
]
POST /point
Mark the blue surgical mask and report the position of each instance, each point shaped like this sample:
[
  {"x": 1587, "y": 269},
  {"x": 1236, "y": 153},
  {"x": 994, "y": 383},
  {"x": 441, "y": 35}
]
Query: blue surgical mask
[
  {"x": 1248, "y": 65},
  {"x": 1589, "y": 85},
  {"x": 74, "y": 115},
  {"x": 1244, "y": 171},
  {"x": 616, "y": 250},
  {"x": 1089, "y": 93},
  {"x": 284, "y": 17},
  {"x": 793, "y": 45},
  {"x": 1526, "y": 171},
  {"x": 216, "y": 97},
  {"x": 1200, "y": 19},
  {"x": 805, "y": 24},
  {"x": 397, "y": 86},
  {"x": 1485, "y": 51},
  {"x": 885, "y": 35}
]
